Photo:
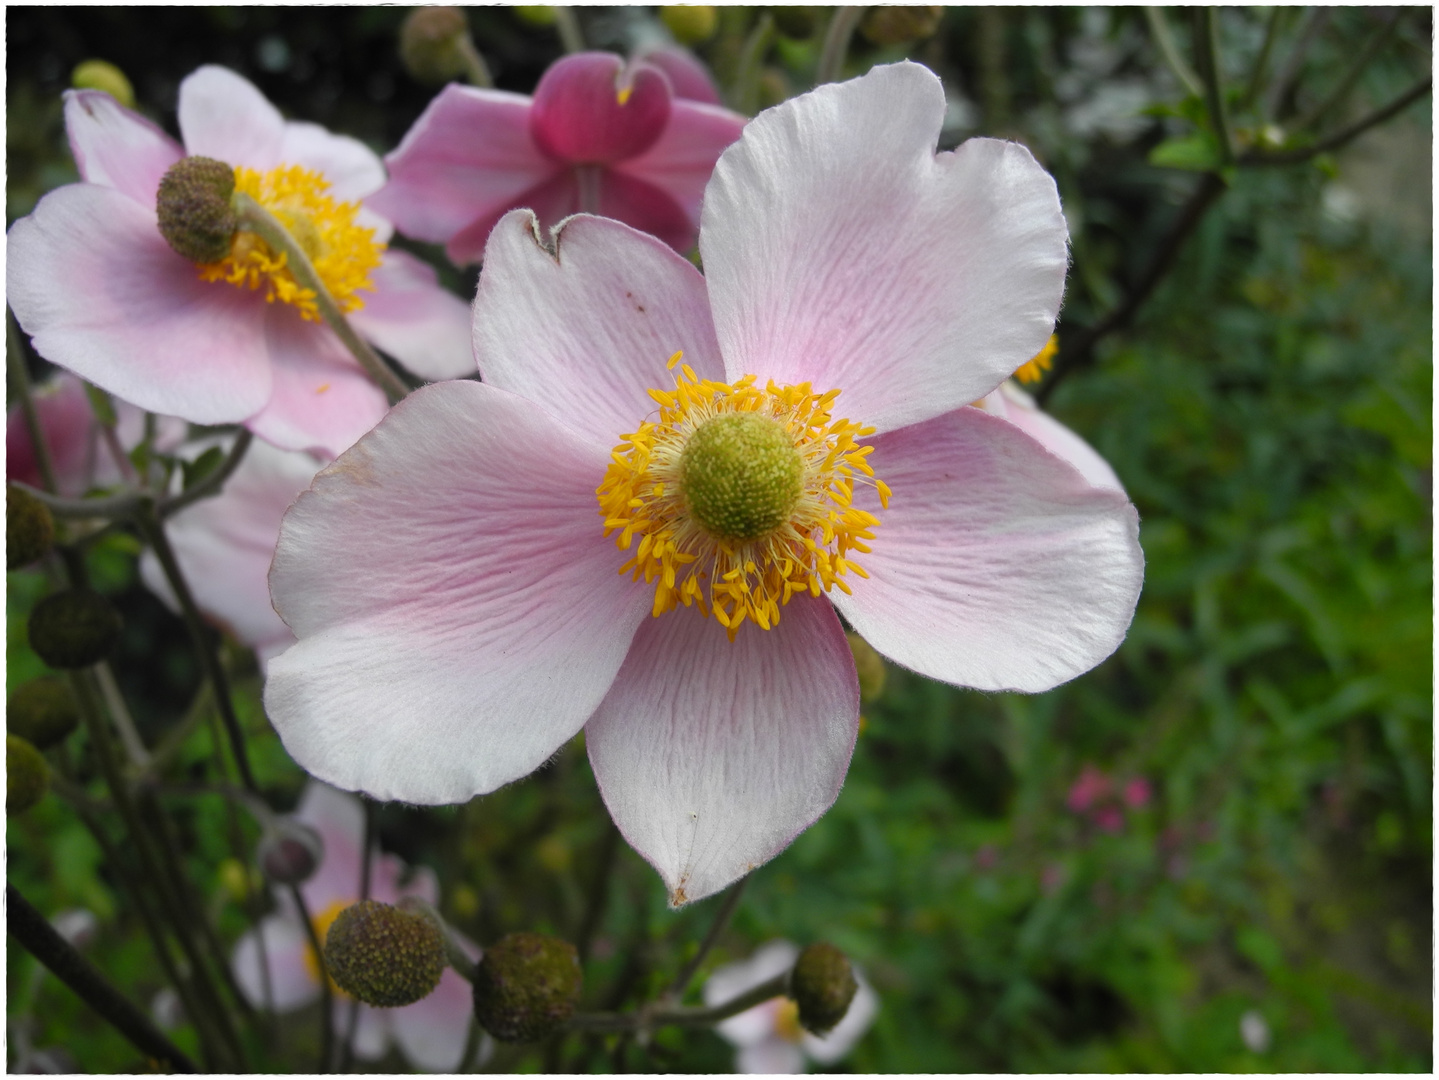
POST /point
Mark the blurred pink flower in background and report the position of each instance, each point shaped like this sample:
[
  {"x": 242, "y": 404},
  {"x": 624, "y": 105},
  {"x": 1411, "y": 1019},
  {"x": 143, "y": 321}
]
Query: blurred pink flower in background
[
  {"x": 431, "y": 1033},
  {"x": 624, "y": 140},
  {"x": 1091, "y": 786},
  {"x": 768, "y": 1036},
  {"x": 1097, "y": 796},
  {"x": 1137, "y": 793}
]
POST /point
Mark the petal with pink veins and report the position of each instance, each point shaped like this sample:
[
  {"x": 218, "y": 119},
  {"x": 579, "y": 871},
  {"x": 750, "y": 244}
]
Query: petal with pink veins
[
  {"x": 1013, "y": 404},
  {"x": 841, "y": 250},
  {"x": 588, "y": 332},
  {"x": 101, "y": 293},
  {"x": 713, "y": 755},
  {"x": 293, "y": 983},
  {"x": 683, "y": 159},
  {"x": 996, "y": 564},
  {"x": 224, "y": 116},
  {"x": 353, "y": 170},
  {"x": 492, "y": 621},
  {"x": 415, "y": 320},
  {"x": 553, "y": 199},
  {"x": 116, "y": 147},
  {"x": 591, "y": 108}
]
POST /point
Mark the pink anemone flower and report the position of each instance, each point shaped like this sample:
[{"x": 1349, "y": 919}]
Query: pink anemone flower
[
  {"x": 431, "y": 1033},
  {"x": 95, "y": 284},
  {"x": 599, "y": 135},
  {"x": 768, "y": 1037},
  {"x": 454, "y": 582}
]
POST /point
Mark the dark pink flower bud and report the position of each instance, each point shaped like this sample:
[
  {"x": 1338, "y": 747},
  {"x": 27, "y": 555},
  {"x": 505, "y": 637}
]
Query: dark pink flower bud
[
  {"x": 589, "y": 109},
  {"x": 290, "y": 852},
  {"x": 1137, "y": 793}
]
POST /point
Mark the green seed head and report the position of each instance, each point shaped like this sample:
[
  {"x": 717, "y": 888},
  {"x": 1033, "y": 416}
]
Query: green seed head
[
  {"x": 741, "y": 475},
  {"x": 430, "y": 46},
  {"x": 74, "y": 628},
  {"x": 384, "y": 956},
  {"x": 690, "y": 23},
  {"x": 42, "y": 711},
  {"x": 822, "y": 985},
  {"x": 526, "y": 986},
  {"x": 29, "y": 528},
  {"x": 193, "y": 205},
  {"x": 27, "y": 777}
]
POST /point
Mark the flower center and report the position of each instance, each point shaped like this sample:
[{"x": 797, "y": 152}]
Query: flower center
[
  {"x": 740, "y": 498},
  {"x": 343, "y": 253},
  {"x": 786, "y": 1021},
  {"x": 322, "y": 921}
]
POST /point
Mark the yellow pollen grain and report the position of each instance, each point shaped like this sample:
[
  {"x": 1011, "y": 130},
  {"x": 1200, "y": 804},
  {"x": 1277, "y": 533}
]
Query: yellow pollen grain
[
  {"x": 642, "y": 500},
  {"x": 1031, "y": 371},
  {"x": 342, "y": 252}
]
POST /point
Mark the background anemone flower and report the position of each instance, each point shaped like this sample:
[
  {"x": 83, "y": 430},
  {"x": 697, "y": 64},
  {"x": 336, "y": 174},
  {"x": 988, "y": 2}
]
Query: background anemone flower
[
  {"x": 101, "y": 292},
  {"x": 431, "y": 1033},
  {"x": 461, "y": 614},
  {"x": 768, "y": 1036},
  {"x": 599, "y": 135}
]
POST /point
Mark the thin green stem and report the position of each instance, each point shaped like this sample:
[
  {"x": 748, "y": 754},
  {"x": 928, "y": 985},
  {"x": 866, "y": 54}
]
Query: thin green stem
[
  {"x": 20, "y": 386},
  {"x": 1206, "y": 49},
  {"x": 837, "y": 36},
  {"x": 599, "y": 890},
  {"x": 745, "y": 93},
  {"x": 721, "y": 921},
  {"x": 454, "y": 951},
  {"x": 477, "y": 72},
  {"x": 1261, "y": 62},
  {"x": 327, "y": 1012},
  {"x": 651, "y": 1018},
  {"x": 214, "y": 481},
  {"x": 1336, "y": 96},
  {"x": 1294, "y": 62},
  {"x": 1164, "y": 38},
  {"x": 568, "y": 27},
  {"x": 1335, "y": 140},
  {"x": 120, "y": 714}
]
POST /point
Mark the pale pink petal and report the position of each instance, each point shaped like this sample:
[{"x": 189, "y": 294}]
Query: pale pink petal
[
  {"x": 553, "y": 199},
  {"x": 840, "y": 1040},
  {"x": 586, "y": 333},
  {"x": 373, "y": 1033},
  {"x": 730, "y": 980},
  {"x": 591, "y": 109},
  {"x": 432, "y": 1031},
  {"x": 223, "y": 116},
  {"x": 415, "y": 320},
  {"x": 996, "y": 565},
  {"x": 385, "y": 874},
  {"x": 689, "y": 78},
  {"x": 339, "y": 818},
  {"x": 423, "y": 883},
  {"x": 116, "y": 147},
  {"x": 95, "y": 285},
  {"x": 770, "y": 1057},
  {"x": 70, "y": 430},
  {"x": 292, "y": 983},
  {"x": 492, "y": 618},
  {"x": 840, "y": 250},
  {"x": 681, "y": 162},
  {"x": 1013, "y": 404},
  {"x": 322, "y": 401},
  {"x": 468, "y": 156},
  {"x": 643, "y": 205},
  {"x": 713, "y": 755},
  {"x": 353, "y": 170}
]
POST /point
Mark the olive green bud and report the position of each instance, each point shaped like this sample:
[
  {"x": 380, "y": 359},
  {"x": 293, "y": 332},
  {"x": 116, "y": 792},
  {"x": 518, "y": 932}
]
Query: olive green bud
[
  {"x": 27, "y": 777},
  {"x": 42, "y": 711},
  {"x": 289, "y": 852},
  {"x": 822, "y": 985},
  {"x": 536, "y": 14},
  {"x": 897, "y": 25},
  {"x": 103, "y": 75},
  {"x": 384, "y": 956},
  {"x": 74, "y": 628},
  {"x": 870, "y": 667},
  {"x": 430, "y": 43},
  {"x": 526, "y": 987},
  {"x": 193, "y": 204},
  {"x": 690, "y": 23},
  {"x": 29, "y": 528}
]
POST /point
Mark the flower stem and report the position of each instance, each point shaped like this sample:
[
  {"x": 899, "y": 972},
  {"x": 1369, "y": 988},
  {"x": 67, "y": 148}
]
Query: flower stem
[
  {"x": 1206, "y": 48},
  {"x": 1164, "y": 38},
  {"x": 1335, "y": 140},
  {"x": 599, "y": 890},
  {"x": 568, "y": 27},
  {"x": 327, "y": 1019},
  {"x": 837, "y": 37},
  {"x": 213, "y": 481},
  {"x": 649, "y": 1019},
  {"x": 1261, "y": 62},
  {"x": 20, "y": 385},
  {"x": 745, "y": 94},
  {"x": 477, "y": 72},
  {"x": 267, "y": 227},
  {"x": 1346, "y": 82},
  {"x": 722, "y": 917}
]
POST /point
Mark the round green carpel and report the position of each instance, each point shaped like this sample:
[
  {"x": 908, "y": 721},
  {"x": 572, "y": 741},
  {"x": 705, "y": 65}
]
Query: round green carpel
[
  {"x": 383, "y": 955},
  {"x": 42, "y": 711},
  {"x": 27, "y": 777},
  {"x": 29, "y": 528},
  {"x": 74, "y": 629},
  {"x": 822, "y": 985},
  {"x": 526, "y": 986},
  {"x": 194, "y": 209},
  {"x": 741, "y": 475}
]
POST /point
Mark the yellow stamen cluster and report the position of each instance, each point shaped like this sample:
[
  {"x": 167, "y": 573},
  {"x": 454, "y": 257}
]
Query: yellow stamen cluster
[
  {"x": 1031, "y": 371},
  {"x": 343, "y": 253},
  {"x": 322, "y": 921},
  {"x": 643, "y": 497}
]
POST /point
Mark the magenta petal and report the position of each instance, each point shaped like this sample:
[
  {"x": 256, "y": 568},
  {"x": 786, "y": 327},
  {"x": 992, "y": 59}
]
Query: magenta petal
[
  {"x": 587, "y": 334},
  {"x": 681, "y": 162},
  {"x": 689, "y": 78},
  {"x": 589, "y": 109},
  {"x": 116, "y": 147},
  {"x": 414, "y": 319},
  {"x": 996, "y": 565},
  {"x": 713, "y": 755},
  {"x": 459, "y": 613},
  {"x": 95, "y": 285},
  {"x": 644, "y": 206},
  {"x": 552, "y": 200},
  {"x": 222, "y": 115}
]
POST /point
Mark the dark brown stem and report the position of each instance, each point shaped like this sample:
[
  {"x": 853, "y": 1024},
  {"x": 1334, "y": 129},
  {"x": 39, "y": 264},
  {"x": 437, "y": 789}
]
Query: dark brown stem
[
  {"x": 327, "y": 1012},
  {"x": 721, "y": 921},
  {"x": 1337, "y": 139},
  {"x": 649, "y": 1019}
]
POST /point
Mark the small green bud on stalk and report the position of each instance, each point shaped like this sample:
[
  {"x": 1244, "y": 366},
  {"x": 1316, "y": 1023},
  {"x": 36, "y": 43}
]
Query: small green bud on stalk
[
  {"x": 822, "y": 985},
  {"x": 42, "y": 711},
  {"x": 103, "y": 75},
  {"x": 898, "y": 25},
  {"x": 193, "y": 205},
  {"x": 384, "y": 956},
  {"x": 526, "y": 987},
  {"x": 690, "y": 23},
  {"x": 870, "y": 667},
  {"x": 27, "y": 777},
  {"x": 29, "y": 528},
  {"x": 290, "y": 852},
  {"x": 430, "y": 43},
  {"x": 536, "y": 14},
  {"x": 74, "y": 629}
]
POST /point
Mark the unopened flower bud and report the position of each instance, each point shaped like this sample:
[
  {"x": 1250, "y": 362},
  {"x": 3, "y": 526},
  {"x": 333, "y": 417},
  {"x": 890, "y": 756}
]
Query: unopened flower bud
[
  {"x": 27, "y": 777},
  {"x": 74, "y": 628},
  {"x": 385, "y": 956},
  {"x": 690, "y": 23},
  {"x": 822, "y": 985},
  {"x": 103, "y": 75},
  {"x": 29, "y": 528},
  {"x": 897, "y": 25},
  {"x": 193, "y": 204},
  {"x": 289, "y": 853},
  {"x": 42, "y": 711},
  {"x": 240, "y": 881},
  {"x": 526, "y": 986},
  {"x": 536, "y": 14},
  {"x": 870, "y": 667},
  {"x": 430, "y": 43}
]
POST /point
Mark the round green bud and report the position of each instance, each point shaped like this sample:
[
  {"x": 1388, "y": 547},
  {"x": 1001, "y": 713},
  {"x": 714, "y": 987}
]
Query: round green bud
[
  {"x": 103, "y": 75},
  {"x": 29, "y": 528},
  {"x": 741, "y": 475},
  {"x": 690, "y": 23},
  {"x": 42, "y": 711},
  {"x": 870, "y": 667},
  {"x": 193, "y": 204},
  {"x": 526, "y": 986},
  {"x": 895, "y": 25},
  {"x": 27, "y": 777},
  {"x": 536, "y": 14},
  {"x": 74, "y": 628},
  {"x": 822, "y": 985},
  {"x": 384, "y": 956},
  {"x": 429, "y": 43}
]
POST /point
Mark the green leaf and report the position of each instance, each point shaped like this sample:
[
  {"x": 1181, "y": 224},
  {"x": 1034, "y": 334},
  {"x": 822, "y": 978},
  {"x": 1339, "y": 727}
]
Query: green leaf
[
  {"x": 196, "y": 471},
  {"x": 100, "y": 403},
  {"x": 1197, "y": 152}
]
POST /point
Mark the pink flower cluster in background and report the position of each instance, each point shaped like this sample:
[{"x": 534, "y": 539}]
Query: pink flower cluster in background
[{"x": 1103, "y": 800}]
